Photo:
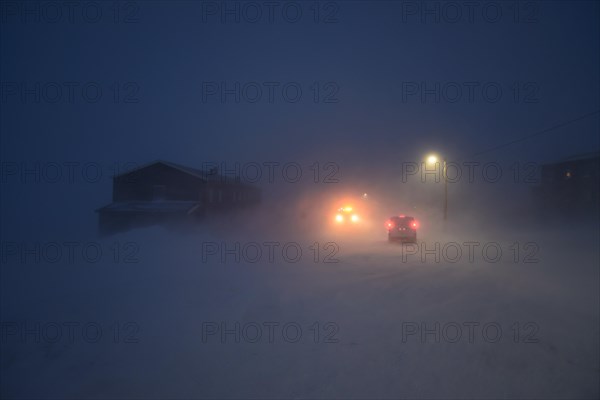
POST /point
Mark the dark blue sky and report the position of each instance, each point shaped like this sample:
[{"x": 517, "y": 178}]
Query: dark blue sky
[{"x": 369, "y": 57}]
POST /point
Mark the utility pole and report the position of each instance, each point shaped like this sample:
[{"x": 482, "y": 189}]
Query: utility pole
[{"x": 445, "y": 191}]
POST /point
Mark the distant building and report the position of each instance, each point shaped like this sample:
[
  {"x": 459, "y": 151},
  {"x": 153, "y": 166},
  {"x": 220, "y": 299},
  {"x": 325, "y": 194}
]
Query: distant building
[
  {"x": 570, "y": 187},
  {"x": 165, "y": 192}
]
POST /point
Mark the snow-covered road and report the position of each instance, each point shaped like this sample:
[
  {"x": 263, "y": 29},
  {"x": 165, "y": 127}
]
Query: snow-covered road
[{"x": 165, "y": 314}]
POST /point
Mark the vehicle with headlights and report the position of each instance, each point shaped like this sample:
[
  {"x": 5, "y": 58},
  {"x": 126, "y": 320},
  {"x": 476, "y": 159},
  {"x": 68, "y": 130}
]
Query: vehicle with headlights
[
  {"x": 402, "y": 228},
  {"x": 346, "y": 215}
]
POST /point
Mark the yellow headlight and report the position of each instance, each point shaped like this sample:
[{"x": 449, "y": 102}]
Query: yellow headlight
[
  {"x": 339, "y": 218},
  {"x": 354, "y": 218}
]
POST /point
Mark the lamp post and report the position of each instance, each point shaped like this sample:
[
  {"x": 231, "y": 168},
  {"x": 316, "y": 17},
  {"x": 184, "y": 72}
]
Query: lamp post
[{"x": 433, "y": 159}]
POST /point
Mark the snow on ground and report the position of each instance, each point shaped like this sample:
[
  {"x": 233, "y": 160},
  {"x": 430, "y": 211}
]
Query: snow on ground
[{"x": 162, "y": 316}]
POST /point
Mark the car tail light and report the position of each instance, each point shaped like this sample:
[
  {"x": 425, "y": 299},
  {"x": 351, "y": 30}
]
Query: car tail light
[{"x": 414, "y": 225}]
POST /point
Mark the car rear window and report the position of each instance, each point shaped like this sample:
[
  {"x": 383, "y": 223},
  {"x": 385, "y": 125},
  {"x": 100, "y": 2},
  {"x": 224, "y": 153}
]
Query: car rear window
[{"x": 403, "y": 221}]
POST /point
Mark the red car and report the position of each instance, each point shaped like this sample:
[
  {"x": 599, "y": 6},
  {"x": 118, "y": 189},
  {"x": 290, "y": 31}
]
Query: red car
[{"x": 402, "y": 228}]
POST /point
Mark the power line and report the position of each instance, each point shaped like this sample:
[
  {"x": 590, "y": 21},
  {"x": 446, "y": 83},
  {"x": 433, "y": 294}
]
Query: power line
[{"x": 544, "y": 131}]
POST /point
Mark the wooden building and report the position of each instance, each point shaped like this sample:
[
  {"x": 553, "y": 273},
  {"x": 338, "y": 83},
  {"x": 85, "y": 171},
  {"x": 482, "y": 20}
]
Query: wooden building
[
  {"x": 165, "y": 192},
  {"x": 570, "y": 187}
]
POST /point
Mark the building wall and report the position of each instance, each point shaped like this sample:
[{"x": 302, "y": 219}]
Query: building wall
[
  {"x": 572, "y": 172},
  {"x": 220, "y": 196},
  {"x": 570, "y": 187}
]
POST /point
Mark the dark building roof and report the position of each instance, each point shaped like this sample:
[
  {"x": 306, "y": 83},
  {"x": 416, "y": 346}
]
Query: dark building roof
[
  {"x": 159, "y": 207},
  {"x": 207, "y": 176},
  {"x": 577, "y": 157}
]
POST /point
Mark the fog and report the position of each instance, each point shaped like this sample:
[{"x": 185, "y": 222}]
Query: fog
[
  {"x": 198, "y": 310},
  {"x": 303, "y": 293}
]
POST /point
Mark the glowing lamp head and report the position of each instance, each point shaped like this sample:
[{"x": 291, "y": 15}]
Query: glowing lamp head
[{"x": 432, "y": 159}]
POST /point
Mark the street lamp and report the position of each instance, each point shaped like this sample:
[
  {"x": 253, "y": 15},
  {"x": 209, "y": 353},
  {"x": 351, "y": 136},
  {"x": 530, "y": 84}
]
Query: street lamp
[{"x": 433, "y": 159}]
